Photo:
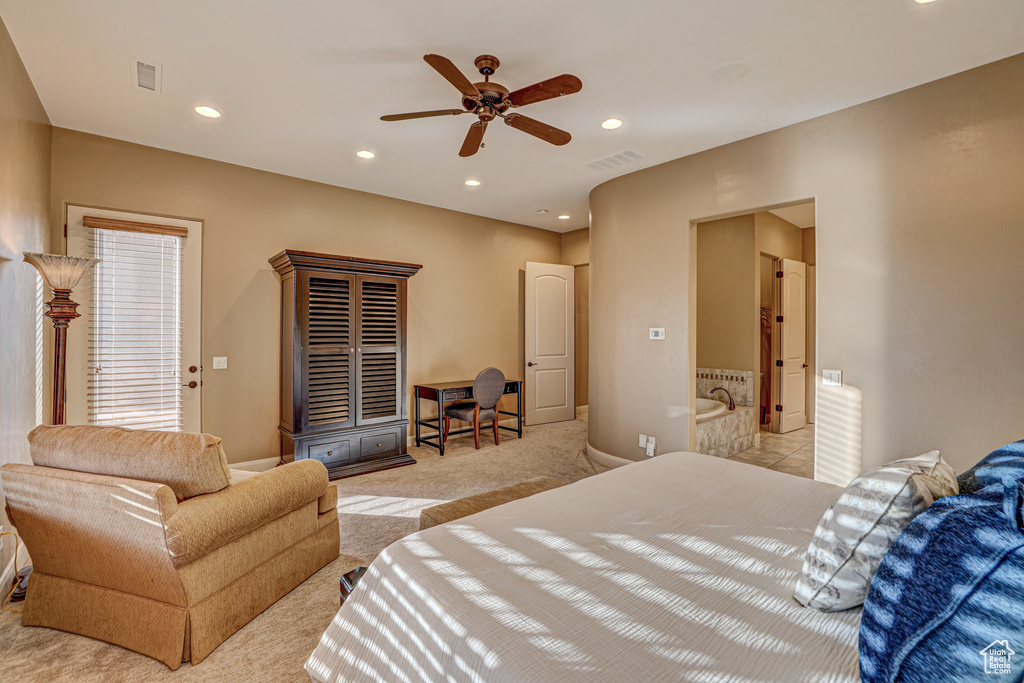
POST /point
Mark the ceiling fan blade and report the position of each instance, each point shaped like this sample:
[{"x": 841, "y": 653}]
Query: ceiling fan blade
[
  {"x": 423, "y": 114},
  {"x": 444, "y": 66},
  {"x": 473, "y": 139},
  {"x": 538, "y": 129},
  {"x": 566, "y": 84}
]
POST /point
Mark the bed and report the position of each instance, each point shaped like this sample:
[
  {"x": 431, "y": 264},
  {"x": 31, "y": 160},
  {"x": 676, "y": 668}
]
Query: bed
[{"x": 680, "y": 568}]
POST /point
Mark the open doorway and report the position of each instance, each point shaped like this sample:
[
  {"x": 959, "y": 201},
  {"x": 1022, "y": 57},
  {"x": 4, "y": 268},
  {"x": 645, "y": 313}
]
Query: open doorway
[{"x": 755, "y": 338}]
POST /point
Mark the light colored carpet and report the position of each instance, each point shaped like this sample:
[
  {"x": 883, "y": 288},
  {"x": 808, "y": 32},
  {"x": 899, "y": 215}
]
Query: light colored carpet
[{"x": 374, "y": 510}]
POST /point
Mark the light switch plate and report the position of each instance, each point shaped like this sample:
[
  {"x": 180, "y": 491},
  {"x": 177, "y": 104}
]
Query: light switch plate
[
  {"x": 220, "y": 362},
  {"x": 657, "y": 333},
  {"x": 643, "y": 440},
  {"x": 650, "y": 441},
  {"x": 650, "y": 449},
  {"x": 832, "y": 378}
]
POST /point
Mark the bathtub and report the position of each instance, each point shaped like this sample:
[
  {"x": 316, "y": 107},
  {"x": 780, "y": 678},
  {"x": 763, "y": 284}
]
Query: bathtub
[{"x": 708, "y": 408}]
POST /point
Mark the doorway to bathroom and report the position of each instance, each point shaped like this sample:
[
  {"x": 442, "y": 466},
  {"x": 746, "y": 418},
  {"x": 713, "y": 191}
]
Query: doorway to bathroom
[{"x": 755, "y": 337}]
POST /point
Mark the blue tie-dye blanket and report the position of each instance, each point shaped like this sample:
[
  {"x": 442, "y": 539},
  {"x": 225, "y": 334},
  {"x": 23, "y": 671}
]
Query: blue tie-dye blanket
[{"x": 947, "y": 602}]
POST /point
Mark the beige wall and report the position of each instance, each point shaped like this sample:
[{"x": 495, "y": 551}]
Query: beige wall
[
  {"x": 24, "y": 195},
  {"x": 919, "y": 203},
  {"x": 576, "y": 247},
  {"x": 464, "y": 305},
  {"x": 582, "y": 334},
  {"x": 576, "y": 252},
  {"x": 778, "y": 237},
  {"x": 726, "y": 281}
]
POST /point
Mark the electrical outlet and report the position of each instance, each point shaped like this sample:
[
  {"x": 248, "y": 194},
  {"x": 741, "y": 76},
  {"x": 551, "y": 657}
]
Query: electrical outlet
[
  {"x": 832, "y": 378},
  {"x": 656, "y": 333},
  {"x": 220, "y": 362},
  {"x": 643, "y": 441},
  {"x": 650, "y": 449}
]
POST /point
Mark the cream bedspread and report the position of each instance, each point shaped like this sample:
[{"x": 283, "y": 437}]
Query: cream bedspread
[{"x": 680, "y": 568}]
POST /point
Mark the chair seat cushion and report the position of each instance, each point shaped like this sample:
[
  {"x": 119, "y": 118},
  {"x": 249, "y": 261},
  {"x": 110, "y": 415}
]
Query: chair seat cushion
[
  {"x": 464, "y": 411},
  {"x": 463, "y": 507}
]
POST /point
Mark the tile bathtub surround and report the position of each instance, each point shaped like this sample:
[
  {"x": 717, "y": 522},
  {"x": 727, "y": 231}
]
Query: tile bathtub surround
[
  {"x": 728, "y": 433},
  {"x": 739, "y": 383}
]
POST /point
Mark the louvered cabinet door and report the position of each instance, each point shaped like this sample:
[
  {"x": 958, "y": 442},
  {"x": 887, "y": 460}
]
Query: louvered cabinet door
[
  {"x": 380, "y": 349},
  {"x": 328, "y": 350}
]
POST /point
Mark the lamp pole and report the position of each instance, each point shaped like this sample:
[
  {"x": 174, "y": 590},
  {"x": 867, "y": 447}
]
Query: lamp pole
[
  {"x": 61, "y": 310},
  {"x": 61, "y": 274}
]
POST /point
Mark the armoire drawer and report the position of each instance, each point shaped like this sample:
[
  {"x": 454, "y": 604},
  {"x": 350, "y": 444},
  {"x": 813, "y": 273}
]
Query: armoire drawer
[
  {"x": 379, "y": 444},
  {"x": 332, "y": 453}
]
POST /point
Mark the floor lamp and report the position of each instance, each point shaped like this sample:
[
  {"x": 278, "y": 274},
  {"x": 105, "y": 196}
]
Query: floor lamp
[{"x": 61, "y": 274}]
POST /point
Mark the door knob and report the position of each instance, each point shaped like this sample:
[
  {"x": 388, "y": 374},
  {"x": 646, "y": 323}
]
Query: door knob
[
  {"x": 531, "y": 364},
  {"x": 191, "y": 385}
]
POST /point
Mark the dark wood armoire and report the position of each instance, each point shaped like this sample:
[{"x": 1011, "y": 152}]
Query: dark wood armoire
[{"x": 343, "y": 355}]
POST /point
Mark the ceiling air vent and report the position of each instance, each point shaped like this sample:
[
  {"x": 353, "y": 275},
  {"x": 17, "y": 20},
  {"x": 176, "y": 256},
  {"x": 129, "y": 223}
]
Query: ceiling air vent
[
  {"x": 614, "y": 161},
  {"x": 146, "y": 76}
]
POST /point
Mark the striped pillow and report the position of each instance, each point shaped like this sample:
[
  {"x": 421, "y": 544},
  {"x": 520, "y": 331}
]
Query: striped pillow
[{"x": 862, "y": 523}]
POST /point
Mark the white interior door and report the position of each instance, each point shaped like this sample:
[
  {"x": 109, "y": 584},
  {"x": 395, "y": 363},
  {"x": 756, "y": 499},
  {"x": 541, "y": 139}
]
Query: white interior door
[
  {"x": 550, "y": 343},
  {"x": 134, "y": 357},
  {"x": 793, "y": 345}
]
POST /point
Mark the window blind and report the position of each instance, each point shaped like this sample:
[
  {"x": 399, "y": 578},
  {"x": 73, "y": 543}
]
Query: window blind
[{"x": 135, "y": 336}]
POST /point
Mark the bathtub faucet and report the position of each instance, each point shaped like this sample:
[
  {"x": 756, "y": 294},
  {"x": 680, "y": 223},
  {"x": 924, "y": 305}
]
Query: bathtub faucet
[{"x": 732, "y": 403}]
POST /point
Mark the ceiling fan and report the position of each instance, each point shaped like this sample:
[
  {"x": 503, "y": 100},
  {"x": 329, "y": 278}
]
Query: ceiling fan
[{"x": 489, "y": 100}]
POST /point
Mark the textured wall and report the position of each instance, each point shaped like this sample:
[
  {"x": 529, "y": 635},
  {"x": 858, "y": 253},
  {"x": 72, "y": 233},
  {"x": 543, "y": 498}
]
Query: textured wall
[
  {"x": 464, "y": 305},
  {"x": 24, "y": 226},
  {"x": 920, "y": 206}
]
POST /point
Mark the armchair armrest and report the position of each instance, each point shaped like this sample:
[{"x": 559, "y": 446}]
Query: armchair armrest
[
  {"x": 204, "y": 523},
  {"x": 76, "y": 525}
]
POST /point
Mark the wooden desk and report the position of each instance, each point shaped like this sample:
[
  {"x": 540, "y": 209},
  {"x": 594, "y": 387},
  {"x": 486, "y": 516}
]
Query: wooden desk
[{"x": 446, "y": 392}]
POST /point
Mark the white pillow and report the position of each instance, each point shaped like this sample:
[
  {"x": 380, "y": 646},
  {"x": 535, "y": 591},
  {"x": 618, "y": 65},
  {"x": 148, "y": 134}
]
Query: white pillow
[{"x": 862, "y": 523}]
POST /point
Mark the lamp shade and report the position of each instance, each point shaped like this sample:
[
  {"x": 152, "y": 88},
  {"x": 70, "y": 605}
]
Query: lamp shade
[{"x": 60, "y": 272}]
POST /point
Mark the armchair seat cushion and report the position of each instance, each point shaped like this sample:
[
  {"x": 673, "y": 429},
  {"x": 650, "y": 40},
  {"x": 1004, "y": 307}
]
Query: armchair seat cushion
[
  {"x": 191, "y": 464},
  {"x": 464, "y": 411}
]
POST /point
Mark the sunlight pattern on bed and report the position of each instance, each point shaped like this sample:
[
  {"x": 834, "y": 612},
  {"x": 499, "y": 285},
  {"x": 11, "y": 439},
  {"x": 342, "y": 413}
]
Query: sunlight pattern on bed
[{"x": 678, "y": 568}]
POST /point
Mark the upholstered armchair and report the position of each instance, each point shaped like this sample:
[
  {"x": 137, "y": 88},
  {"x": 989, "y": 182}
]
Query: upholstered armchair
[{"x": 141, "y": 538}]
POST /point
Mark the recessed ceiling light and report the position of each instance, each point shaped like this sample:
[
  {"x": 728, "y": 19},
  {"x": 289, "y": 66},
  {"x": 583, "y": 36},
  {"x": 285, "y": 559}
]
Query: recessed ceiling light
[
  {"x": 563, "y": 217},
  {"x": 923, "y": 2},
  {"x": 208, "y": 112},
  {"x": 611, "y": 124},
  {"x": 542, "y": 211},
  {"x": 472, "y": 183},
  {"x": 365, "y": 154}
]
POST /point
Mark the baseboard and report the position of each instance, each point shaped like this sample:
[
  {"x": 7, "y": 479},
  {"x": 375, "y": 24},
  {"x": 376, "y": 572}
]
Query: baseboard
[
  {"x": 582, "y": 411},
  {"x": 255, "y": 465},
  {"x": 21, "y": 558},
  {"x": 8, "y": 574},
  {"x": 606, "y": 459}
]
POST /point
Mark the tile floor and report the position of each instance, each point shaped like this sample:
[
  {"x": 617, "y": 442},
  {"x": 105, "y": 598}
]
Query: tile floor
[{"x": 792, "y": 452}]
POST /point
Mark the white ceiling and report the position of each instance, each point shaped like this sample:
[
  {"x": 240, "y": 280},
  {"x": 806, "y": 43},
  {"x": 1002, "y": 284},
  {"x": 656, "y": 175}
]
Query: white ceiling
[
  {"x": 302, "y": 84},
  {"x": 800, "y": 215}
]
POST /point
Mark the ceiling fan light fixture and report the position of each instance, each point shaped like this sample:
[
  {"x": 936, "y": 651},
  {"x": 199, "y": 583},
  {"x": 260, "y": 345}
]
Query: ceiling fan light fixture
[
  {"x": 611, "y": 124},
  {"x": 365, "y": 154},
  {"x": 208, "y": 112},
  {"x": 473, "y": 183}
]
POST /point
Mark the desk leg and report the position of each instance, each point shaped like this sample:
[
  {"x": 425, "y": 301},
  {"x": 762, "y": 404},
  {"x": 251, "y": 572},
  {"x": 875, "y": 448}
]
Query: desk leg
[
  {"x": 440, "y": 421},
  {"x": 519, "y": 410},
  {"x": 417, "y": 418}
]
